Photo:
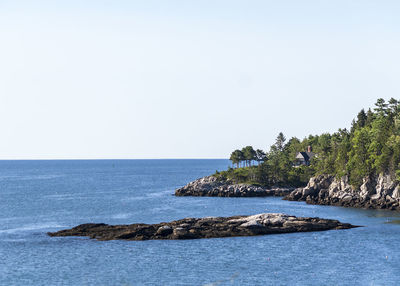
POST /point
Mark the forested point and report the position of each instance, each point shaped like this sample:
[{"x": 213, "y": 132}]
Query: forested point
[{"x": 370, "y": 147}]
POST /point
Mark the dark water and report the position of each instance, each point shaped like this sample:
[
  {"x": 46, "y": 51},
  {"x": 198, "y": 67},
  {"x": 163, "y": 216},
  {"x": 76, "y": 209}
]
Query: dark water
[{"x": 41, "y": 196}]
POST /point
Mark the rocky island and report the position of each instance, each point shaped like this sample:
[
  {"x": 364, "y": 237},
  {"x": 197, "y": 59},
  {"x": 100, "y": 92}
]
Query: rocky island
[
  {"x": 356, "y": 167},
  {"x": 211, "y": 186},
  {"x": 208, "y": 227}
]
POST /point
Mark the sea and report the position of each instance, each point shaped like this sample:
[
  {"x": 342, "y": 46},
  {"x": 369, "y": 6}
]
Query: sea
[{"x": 41, "y": 196}]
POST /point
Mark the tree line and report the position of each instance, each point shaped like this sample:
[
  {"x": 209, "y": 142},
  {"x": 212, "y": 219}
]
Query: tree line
[{"x": 370, "y": 147}]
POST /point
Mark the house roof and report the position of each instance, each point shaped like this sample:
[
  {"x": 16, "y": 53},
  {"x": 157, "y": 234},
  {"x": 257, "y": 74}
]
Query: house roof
[
  {"x": 310, "y": 154},
  {"x": 306, "y": 156}
]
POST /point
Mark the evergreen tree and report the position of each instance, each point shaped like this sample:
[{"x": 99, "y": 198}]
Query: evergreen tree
[
  {"x": 381, "y": 106},
  {"x": 236, "y": 157},
  {"x": 280, "y": 141},
  {"x": 260, "y": 156},
  {"x": 394, "y": 105},
  {"x": 249, "y": 154},
  {"x": 361, "y": 119},
  {"x": 359, "y": 164}
]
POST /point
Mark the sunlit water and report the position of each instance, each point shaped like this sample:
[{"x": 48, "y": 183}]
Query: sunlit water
[{"x": 41, "y": 196}]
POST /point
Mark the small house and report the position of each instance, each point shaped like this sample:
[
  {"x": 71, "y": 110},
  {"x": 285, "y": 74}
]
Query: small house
[{"x": 304, "y": 158}]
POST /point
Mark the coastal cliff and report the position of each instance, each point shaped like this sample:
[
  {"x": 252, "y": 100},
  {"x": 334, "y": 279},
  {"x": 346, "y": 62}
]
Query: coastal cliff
[
  {"x": 210, "y": 186},
  {"x": 379, "y": 192},
  {"x": 209, "y": 227}
]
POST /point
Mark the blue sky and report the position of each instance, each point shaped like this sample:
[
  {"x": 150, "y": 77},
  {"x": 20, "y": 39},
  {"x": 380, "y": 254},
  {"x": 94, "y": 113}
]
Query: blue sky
[{"x": 187, "y": 79}]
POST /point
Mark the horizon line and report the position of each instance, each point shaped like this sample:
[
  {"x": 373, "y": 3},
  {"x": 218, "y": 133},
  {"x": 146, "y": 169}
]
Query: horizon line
[{"x": 104, "y": 159}]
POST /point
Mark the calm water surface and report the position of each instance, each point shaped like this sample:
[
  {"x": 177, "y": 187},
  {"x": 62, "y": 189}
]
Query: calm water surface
[{"x": 41, "y": 196}]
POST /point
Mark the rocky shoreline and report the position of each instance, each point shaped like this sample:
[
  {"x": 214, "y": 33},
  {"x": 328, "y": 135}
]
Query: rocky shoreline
[
  {"x": 210, "y": 186},
  {"x": 209, "y": 227},
  {"x": 379, "y": 192}
]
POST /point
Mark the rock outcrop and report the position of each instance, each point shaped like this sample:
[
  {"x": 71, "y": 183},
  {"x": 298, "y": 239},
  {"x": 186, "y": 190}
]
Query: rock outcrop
[
  {"x": 209, "y": 227},
  {"x": 376, "y": 193},
  {"x": 212, "y": 187}
]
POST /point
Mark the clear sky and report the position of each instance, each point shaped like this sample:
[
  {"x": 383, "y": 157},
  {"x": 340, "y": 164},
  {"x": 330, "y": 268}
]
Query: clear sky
[{"x": 187, "y": 79}]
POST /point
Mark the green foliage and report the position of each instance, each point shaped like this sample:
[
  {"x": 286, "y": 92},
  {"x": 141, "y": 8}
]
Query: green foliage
[
  {"x": 280, "y": 142},
  {"x": 371, "y": 147},
  {"x": 247, "y": 156},
  {"x": 236, "y": 157},
  {"x": 359, "y": 164},
  {"x": 260, "y": 156}
]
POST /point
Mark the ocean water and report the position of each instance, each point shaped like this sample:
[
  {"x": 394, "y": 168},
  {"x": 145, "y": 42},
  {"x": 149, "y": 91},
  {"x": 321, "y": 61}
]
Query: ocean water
[{"x": 41, "y": 196}]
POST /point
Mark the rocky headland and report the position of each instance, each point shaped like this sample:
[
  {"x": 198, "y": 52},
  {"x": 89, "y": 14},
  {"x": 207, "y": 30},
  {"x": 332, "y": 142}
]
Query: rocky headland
[
  {"x": 210, "y": 186},
  {"x": 208, "y": 227},
  {"x": 379, "y": 192}
]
